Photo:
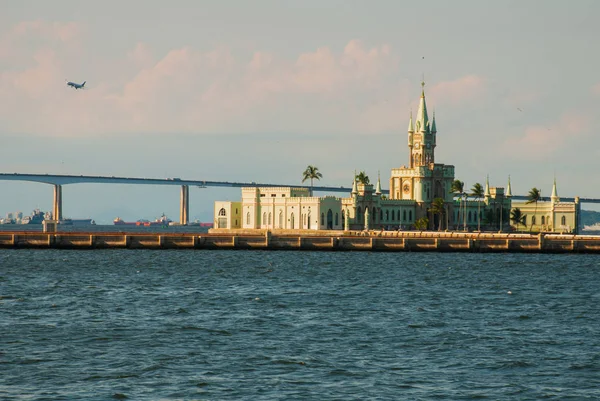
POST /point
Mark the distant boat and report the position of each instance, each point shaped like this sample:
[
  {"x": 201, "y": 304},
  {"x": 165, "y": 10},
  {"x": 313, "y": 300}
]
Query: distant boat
[
  {"x": 161, "y": 221},
  {"x": 200, "y": 224},
  {"x": 77, "y": 222},
  {"x": 37, "y": 217}
]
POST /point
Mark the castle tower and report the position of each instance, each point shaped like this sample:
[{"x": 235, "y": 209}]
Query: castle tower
[{"x": 421, "y": 137}]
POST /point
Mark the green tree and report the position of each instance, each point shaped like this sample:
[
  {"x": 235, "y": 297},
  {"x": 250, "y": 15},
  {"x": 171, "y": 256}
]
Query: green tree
[
  {"x": 362, "y": 178},
  {"x": 478, "y": 192},
  {"x": 422, "y": 223},
  {"x": 311, "y": 173},
  {"x": 438, "y": 208},
  {"x": 458, "y": 188},
  {"x": 534, "y": 196},
  {"x": 517, "y": 217}
]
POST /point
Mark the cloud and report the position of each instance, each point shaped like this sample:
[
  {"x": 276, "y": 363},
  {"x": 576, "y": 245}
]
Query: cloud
[
  {"x": 538, "y": 142},
  {"x": 467, "y": 88},
  {"x": 189, "y": 91}
]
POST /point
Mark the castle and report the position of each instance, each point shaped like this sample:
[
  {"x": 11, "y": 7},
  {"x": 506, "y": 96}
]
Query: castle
[{"x": 420, "y": 196}]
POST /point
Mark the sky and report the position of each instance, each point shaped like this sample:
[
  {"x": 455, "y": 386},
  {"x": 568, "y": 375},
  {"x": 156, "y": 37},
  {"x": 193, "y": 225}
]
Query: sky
[{"x": 257, "y": 91}]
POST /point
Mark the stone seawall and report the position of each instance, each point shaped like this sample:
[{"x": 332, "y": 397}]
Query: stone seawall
[{"x": 310, "y": 240}]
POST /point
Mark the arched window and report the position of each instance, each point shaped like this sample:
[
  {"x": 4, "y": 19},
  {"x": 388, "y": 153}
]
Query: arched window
[
  {"x": 543, "y": 220},
  {"x": 374, "y": 214},
  {"x": 236, "y": 211},
  {"x": 410, "y": 215},
  {"x": 264, "y": 219},
  {"x": 387, "y": 215},
  {"x": 469, "y": 216},
  {"x": 269, "y": 218},
  {"x": 222, "y": 212},
  {"x": 248, "y": 218},
  {"x": 532, "y": 220},
  {"x": 292, "y": 220},
  {"x": 359, "y": 214},
  {"x": 336, "y": 219},
  {"x": 404, "y": 215},
  {"x": 322, "y": 218},
  {"x": 563, "y": 221},
  {"x": 548, "y": 220},
  {"x": 280, "y": 219},
  {"x": 393, "y": 215}
]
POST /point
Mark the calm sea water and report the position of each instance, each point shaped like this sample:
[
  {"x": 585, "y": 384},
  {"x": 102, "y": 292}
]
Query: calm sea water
[{"x": 264, "y": 325}]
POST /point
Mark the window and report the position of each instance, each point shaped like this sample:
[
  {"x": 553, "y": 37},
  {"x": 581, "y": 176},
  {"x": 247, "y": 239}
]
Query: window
[
  {"x": 248, "y": 218},
  {"x": 283, "y": 195},
  {"x": 262, "y": 195},
  {"x": 236, "y": 211},
  {"x": 404, "y": 215},
  {"x": 322, "y": 218},
  {"x": 532, "y": 220},
  {"x": 543, "y": 220},
  {"x": 469, "y": 216},
  {"x": 359, "y": 214},
  {"x": 280, "y": 219},
  {"x": 387, "y": 215},
  {"x": 269, "y": 219},
  {"x": 273, "y": 195},
  {"x": 222, "y": 212},
  {"x": 563, "y": 221},
  {"x": 410, "y": 215},
  {"x": 380, "y": 214},
  {"x": 264, "y": 219},
  {"x": 336, "y": 219}
]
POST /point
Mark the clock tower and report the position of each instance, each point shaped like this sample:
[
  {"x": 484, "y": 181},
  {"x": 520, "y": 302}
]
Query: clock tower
[{"x": 421, "y": 136}]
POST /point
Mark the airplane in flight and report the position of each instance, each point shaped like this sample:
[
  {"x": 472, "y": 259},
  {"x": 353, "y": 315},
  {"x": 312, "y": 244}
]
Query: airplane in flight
[{"x": 76, "y": 85}]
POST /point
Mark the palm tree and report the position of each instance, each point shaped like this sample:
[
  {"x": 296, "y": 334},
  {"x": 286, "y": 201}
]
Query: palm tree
[
  {"x": 478, "y": 192},
  {"x": 311, "y": 173},
  {"x": 438, "y": 207},
  {"x": 458, "y": 188},
  {"x": 533, "y": 197},
  {"x": 517, "y": 217},
  {"x": 362, "y": 178}
]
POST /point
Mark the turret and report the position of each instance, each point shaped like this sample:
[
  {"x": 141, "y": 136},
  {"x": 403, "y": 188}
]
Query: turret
[
  {"x": 487, "y": 187},
  {"x": 378, "y": 187},
  {"x": 554, "y": 198},
  {"x": 422, "y": 118},
  {"x": 354, "y": 188},
  {"x": 508, "y": 189}
]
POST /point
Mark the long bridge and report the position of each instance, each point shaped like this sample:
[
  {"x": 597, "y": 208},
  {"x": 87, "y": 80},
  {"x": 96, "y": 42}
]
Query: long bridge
[{"x": 58, "y": 180}]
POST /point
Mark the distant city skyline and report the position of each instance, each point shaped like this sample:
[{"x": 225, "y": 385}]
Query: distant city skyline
[{"x": 257, "y": 91}]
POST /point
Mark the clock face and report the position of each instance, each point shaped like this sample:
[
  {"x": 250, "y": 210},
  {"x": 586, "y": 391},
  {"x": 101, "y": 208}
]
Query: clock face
[
  {"x": 417, "y": 145},
  {"x": 406, "y": 188}
]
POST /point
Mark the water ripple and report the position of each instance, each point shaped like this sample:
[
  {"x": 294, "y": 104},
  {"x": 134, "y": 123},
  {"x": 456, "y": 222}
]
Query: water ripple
[{"x": 122, "y": 324}]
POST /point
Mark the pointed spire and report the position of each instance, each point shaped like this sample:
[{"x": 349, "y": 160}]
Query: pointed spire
[
  {"x": 354, "y": 188},
  {"x": 487, "y": 186},
  {"x": 411, "y": 127},
  {"x": 554, "y": 198},
  {"x": 378, "y": 187},
  {"x": 422, "y": 118},
  {"x": 508, "y": 189},
  {"x": 433, "y": 128}
]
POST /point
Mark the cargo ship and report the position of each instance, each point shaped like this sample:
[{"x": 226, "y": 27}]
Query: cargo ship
[{"x": 161, "y": 221}]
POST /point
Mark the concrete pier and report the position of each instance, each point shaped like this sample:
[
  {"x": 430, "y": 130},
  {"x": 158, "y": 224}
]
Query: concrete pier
[{"x": 309, "y": 240}]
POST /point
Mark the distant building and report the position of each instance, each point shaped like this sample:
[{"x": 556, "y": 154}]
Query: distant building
[{"x": 413, "y": 190}]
